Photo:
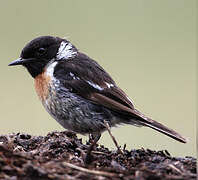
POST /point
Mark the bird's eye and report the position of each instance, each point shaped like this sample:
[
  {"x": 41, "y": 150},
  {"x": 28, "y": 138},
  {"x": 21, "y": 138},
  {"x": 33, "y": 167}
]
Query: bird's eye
[{"x": 41, "y": 50}]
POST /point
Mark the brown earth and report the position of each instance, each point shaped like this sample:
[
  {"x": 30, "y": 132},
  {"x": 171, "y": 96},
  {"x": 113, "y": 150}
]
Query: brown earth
[{"x": 59, "y": 155}]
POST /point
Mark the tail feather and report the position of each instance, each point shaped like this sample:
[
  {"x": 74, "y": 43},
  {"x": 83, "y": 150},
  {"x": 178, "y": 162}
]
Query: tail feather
[
  {"x": 165, "y": 130},
  {"x": 158, "y": 126}
]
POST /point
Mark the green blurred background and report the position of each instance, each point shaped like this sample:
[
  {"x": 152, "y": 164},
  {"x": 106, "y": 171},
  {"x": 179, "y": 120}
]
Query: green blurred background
[{"x": 149, "y": 48}]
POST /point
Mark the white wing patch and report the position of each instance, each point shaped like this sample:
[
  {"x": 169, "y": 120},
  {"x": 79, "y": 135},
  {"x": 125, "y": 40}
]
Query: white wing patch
[
  {"x": 109, "y": 85},
  {"x": 73, "y": 76},
  {"x": 96, "y": 86},
  {"x": 65, "y": 51}
]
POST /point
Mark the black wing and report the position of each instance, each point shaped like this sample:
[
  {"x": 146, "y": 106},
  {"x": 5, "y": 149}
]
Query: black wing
[{"x": 88, "y": 79}]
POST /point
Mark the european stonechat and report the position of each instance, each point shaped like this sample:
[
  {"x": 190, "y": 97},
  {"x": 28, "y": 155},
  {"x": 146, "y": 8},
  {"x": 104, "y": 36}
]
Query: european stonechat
[{"x": 77, "y": 92}]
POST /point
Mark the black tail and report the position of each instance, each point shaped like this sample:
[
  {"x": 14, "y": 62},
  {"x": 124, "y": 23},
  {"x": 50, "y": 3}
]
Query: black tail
[
  {"x": 165, "y": 130},
  {"x": 158, "y": 127}
]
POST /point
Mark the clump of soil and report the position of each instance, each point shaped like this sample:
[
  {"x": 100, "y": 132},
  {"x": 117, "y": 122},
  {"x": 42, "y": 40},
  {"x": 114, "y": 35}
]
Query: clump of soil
[{"x": 59, "y": 155}]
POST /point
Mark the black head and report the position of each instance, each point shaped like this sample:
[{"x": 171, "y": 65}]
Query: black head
[{"x": 39, "y": 52}]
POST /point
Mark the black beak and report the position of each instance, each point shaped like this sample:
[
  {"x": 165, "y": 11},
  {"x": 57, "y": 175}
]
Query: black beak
[{"x": 20, "y": 61}]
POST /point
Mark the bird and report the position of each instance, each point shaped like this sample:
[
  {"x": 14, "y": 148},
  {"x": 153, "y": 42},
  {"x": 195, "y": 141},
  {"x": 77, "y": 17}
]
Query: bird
[{"x": 77, "y": 92}]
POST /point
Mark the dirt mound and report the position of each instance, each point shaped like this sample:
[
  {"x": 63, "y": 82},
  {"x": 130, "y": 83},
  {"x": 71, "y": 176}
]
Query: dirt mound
[{"x": 59, "y": 155}]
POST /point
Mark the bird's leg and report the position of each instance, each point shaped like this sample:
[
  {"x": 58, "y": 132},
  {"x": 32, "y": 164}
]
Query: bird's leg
[
  {"x": 113, "y": 138},
  {"x": 88, "y": 156},
  {"x": 91, "y": 138}
]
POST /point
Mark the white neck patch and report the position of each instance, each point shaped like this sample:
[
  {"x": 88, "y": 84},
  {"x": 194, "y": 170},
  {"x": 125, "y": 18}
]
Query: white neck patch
[
  {"x": 50, "y": 69},
  {"x": 65, "y": 51}
]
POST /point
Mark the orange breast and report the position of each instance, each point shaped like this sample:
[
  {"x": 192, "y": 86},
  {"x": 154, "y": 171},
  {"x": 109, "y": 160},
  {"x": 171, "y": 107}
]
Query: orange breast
[{"x": 41, "y": 85}]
